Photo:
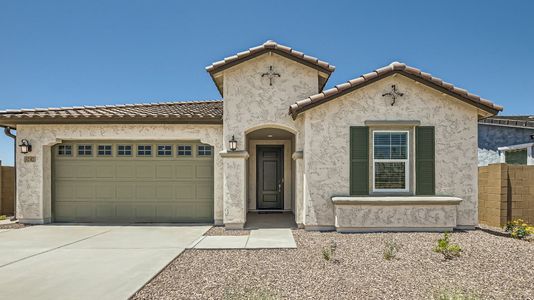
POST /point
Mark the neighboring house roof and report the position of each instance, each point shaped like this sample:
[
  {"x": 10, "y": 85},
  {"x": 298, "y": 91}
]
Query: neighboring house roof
[
  {"x": 270, "y": 46},
  {"x": 510, "y": 121},
  {"x": 395, "y": 67},
  {"x": 177, "y": 112}
]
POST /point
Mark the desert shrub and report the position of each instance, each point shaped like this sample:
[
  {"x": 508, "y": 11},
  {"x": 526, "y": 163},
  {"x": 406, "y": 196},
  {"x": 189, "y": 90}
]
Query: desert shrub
[
  {"x": 518, "y": 229},
  {"x": 390, "y": 250},
  {"x": 329, "y": 251},
  {"x": 455, "y": 295},
  {"x": 448, "y": 250}
]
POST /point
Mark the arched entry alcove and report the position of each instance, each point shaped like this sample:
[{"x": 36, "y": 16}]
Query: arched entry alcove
[{"x": 270, "y": 170}]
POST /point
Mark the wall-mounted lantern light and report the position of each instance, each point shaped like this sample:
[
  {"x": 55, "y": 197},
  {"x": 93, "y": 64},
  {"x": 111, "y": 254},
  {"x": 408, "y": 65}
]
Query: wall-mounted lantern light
[
  {"x": 232, "y": 144},
  {"x": 25, "y": 146}
]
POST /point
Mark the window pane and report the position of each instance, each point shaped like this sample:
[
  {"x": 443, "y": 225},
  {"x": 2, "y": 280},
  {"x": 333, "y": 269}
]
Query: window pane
[
  {"x": 164, "y": 150},
  {"x": 85, "y": 150},
  {"x": 390, "y": 145},
  {"x": 65, "y": 150},
  {"x": 144, "y": 150},
  {"x": 185, "y": 150},
  {"x": 104, "y": 150},
  {"x": 382, "y": 138},
  {"x": 204, "y": 150},
  {"x": 390, "y": 175},
  {"x": 124, "y": 150}
]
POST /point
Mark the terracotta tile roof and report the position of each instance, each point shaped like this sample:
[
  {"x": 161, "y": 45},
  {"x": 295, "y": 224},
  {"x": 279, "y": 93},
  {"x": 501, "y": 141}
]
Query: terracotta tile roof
[
  {"x": 198, "y": 111},
  {"x": 395, "y": 67},
  {"x": 510, "y": 121},
  {"x": 266, "y": 47}
]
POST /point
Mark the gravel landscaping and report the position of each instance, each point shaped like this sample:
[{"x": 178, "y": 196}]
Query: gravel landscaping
[{"x": 490, "y": 267}]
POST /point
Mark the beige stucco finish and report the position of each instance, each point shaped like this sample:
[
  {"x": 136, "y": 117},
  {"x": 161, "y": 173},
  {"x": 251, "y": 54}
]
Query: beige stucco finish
[
  {"x": 326, "y": 149},
  {"x": 34, "y": 192},
  {"x": 319, "y": 157}
]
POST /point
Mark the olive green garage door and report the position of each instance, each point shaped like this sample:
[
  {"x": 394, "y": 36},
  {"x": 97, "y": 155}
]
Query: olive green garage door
[{"x": 132, "y": 181}]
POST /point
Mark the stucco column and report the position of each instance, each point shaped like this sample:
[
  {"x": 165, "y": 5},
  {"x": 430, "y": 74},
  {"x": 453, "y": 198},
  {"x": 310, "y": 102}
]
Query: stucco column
[
  {"x": 299, "y": 193},
  {"x": 234, "y": 188}
]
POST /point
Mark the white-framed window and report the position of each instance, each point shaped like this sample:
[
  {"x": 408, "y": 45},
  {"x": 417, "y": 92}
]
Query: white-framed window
[
  {"x": 185, "y": 150},
  {"x": 144, "y": 150},
  {"x": 64, "y": 150},
  {"x": 105, "y": 150},
  {"x": 164, "y": 150},
  {"x": 85, "y": 150},
  {"x": 204, "y": 150},
  {"x": 391, "y": 161}
]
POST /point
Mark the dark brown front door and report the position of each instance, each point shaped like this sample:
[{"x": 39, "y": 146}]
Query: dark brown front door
[{"x": 270, "y": 174}]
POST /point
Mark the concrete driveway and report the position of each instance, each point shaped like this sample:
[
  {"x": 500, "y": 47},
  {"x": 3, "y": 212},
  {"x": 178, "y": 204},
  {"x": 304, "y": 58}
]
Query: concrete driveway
[{"x": 87, "y": 262}]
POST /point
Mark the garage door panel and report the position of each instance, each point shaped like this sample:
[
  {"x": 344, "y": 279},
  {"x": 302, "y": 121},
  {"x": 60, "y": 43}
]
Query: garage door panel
[
  {"x": 105, "y": 171},
  {"x": 84, "y": 191},
  {"x": 145, "y": 171},
  {"x": 132, "y": 189},
  {"x": 165, "y": 191},
  {"x": 105, "y": 211},
  {"x": 164, "y": 172},
  {"x": 185, "y": 190},
  {"x": 204, "y": 190},
  {"x": 86, "y": 170},
  {"x": 184, "y": 170},
  {"x": 105, "y": 191},
  {"x": 64, "y": 171},
  {"x": 125, "y": 170},
  {"x": 204, "y": 172}
]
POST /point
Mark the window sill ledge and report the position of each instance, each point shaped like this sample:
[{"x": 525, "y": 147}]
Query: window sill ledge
[{"x": 397, "y": 200}]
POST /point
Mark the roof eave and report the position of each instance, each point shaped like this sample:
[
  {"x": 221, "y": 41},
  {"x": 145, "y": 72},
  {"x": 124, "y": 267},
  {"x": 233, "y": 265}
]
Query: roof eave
[
  {"x": 295, "y": 111},
  {"x": 215, "y": 70}
]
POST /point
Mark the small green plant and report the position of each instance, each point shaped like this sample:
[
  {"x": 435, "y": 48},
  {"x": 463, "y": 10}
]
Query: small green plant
[
  {"x": 329, "y": 251},
  {"x": 519, "y": 229},
  {"x": 448, "y": 250},
  {"x": 3, "y": 217},
  {"x": 391, "y": 249},
  {"x": 454, "y": 295}
]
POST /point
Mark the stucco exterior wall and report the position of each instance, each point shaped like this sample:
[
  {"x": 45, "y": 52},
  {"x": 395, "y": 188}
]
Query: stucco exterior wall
[
  {"x": 326, "y": 149},
  {"x": 250, "y": 103},
  {"x": 34, "y": 178},
  {"x": 491, "y": 137}
]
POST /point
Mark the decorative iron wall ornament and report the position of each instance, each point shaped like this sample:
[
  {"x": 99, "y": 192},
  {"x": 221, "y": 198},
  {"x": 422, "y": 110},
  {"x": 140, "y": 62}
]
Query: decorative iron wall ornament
[
  {"x": 270, "y": 74},
  {"x": 393, "y": 94}
]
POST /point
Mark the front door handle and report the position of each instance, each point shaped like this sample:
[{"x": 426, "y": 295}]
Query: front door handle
[{"x": 279, "y": 187}]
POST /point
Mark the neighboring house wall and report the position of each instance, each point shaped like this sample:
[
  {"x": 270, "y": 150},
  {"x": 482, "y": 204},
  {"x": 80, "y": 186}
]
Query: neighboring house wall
[
  {"x": 250, "y": 103},
  {"x": 491, "y": 137},
  {"x": 7, "y": 190},
  {"x": 34, "y": 178},
  {"x": 506, "y": 193},
  {"x": 326, "y": 151}
]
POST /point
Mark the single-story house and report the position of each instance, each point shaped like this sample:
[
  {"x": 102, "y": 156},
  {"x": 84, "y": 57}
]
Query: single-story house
[
  {"x": 393, "y": 149},
  {"x": 506, "y": 139}
]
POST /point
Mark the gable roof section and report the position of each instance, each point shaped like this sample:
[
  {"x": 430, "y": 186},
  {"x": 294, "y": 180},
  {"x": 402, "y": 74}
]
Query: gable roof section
[
  {"x": 395, "y": 67},
  {"x": 526, "y": 122},
  {"x": 270, "y": 46},
  {"x": 167, "y": 112}
]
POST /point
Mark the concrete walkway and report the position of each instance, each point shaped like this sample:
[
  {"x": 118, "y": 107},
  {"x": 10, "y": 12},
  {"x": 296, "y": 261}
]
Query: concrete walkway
[
  {"x": 278, "y": 238},
  {"x": 87, "y": 262}
]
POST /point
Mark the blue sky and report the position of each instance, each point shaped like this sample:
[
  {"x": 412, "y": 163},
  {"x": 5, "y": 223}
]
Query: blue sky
[{"x": 66, "y": 53}]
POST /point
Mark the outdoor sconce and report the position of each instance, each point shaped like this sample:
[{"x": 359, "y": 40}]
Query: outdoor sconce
[
  {"x": 25, "y": 146},
  {"x": 233, "y": 144}
]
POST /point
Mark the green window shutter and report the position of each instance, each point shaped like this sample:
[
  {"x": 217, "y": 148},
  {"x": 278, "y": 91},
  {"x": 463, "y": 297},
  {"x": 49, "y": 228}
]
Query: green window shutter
[
  {"x": 359, "y": 160},
  {"x": 425, "y": 160}
]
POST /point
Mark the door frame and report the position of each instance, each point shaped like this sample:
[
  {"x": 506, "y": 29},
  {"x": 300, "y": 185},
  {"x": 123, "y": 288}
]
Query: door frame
[{"x": 281, "y": 150}]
